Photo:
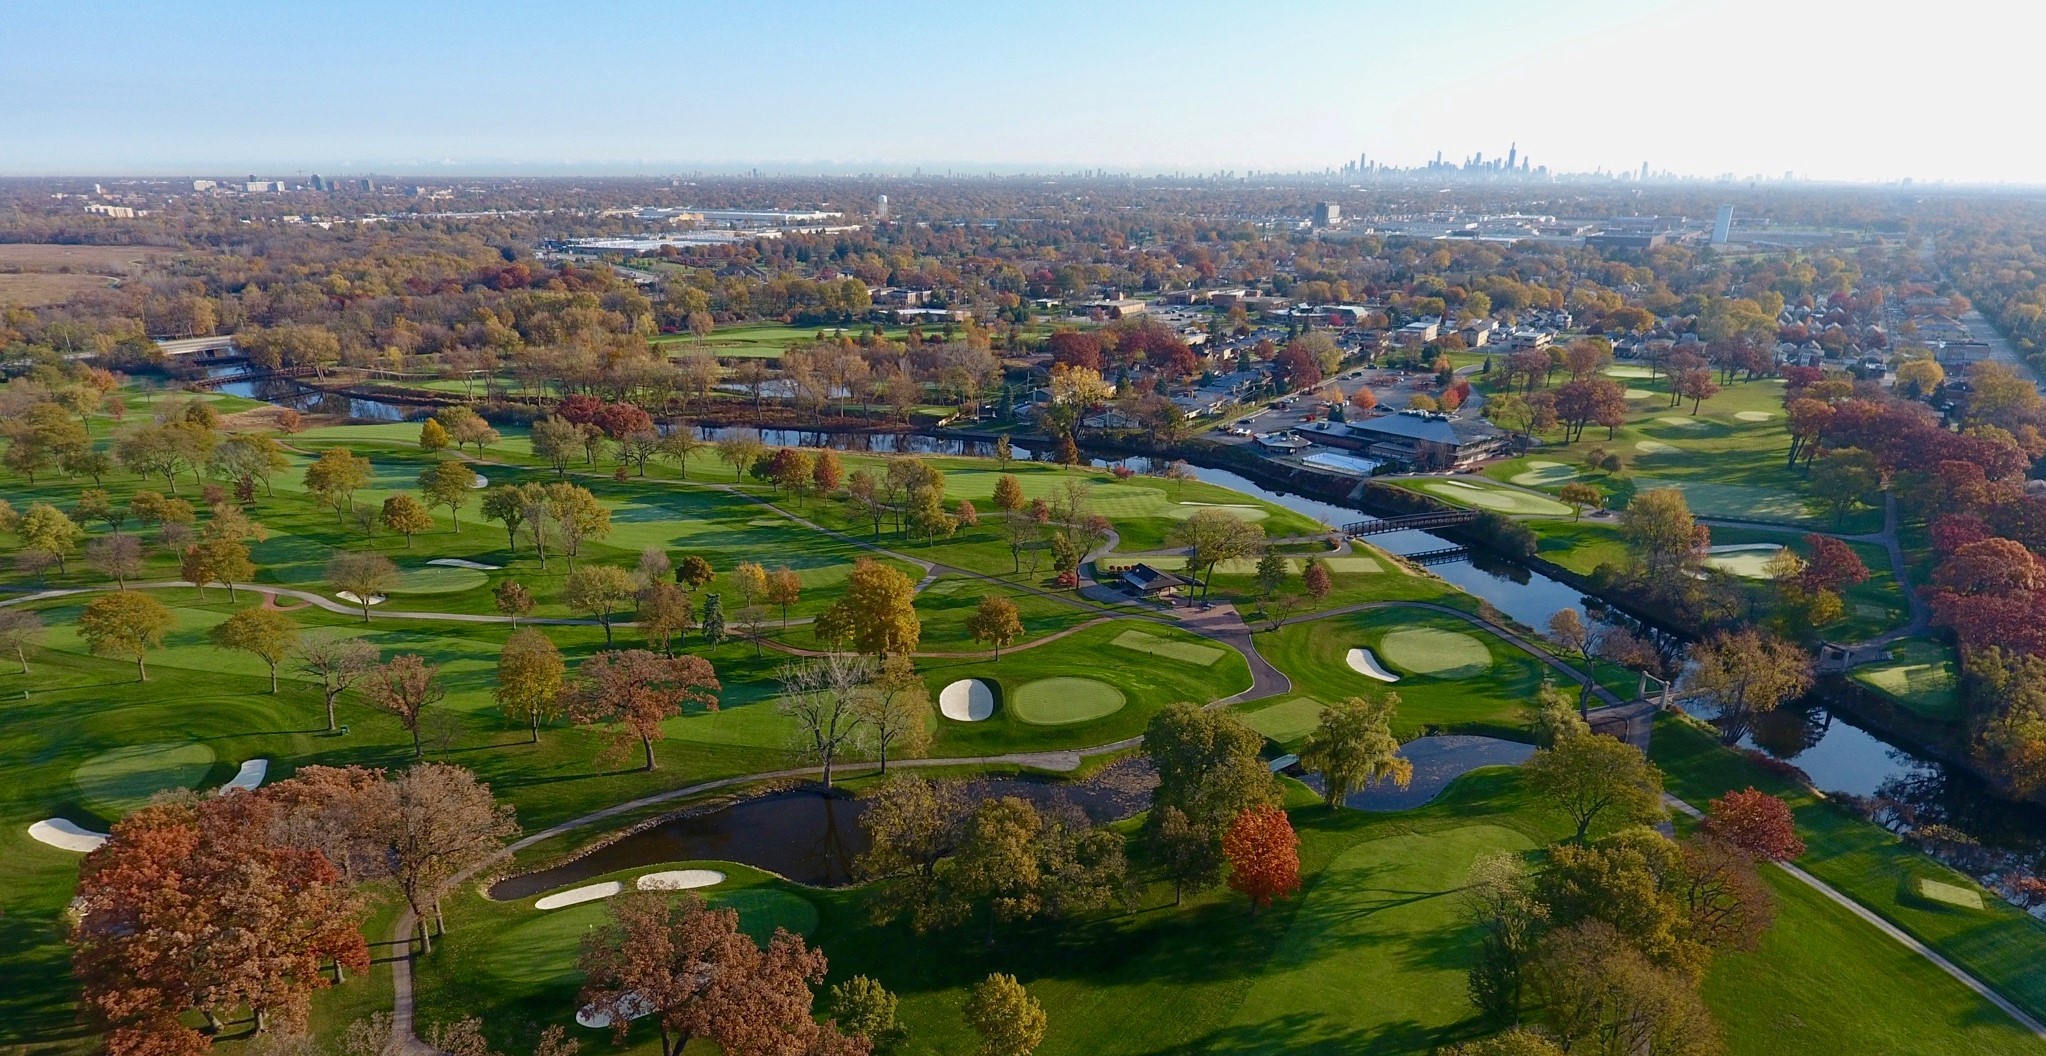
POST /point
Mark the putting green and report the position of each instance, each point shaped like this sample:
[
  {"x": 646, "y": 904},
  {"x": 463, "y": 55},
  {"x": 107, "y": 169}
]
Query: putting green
[
  {"x": 1679, "y": 422},
  {"x": 1745, "y": 501},
  {"x": 1065, "y": 700},
  {"x": 114, "y": 783},
  {"x": 438, "y": 579},
  {"x": 1289, "y": 721},
  {"x": 1182, "y": 511},
  {"x": 1617, "y": 371},
  {"x": 1171, "y": 649},
  {"x": 1753, "y": 416},
  {"x": 1545, "y": 474},
  {"x": 542, "y": 949},
  {"x": 1655, "y": 447},
  {"x": 1436, "y": 653},
  {"x": 1497, "y": 499},
  {"x": 1637, "y": 394},
  {"x": 1920, "y": 672}
]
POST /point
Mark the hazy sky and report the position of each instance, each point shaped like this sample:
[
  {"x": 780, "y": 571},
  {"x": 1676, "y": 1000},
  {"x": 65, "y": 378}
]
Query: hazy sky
[{"x": 1867, "y": 90}]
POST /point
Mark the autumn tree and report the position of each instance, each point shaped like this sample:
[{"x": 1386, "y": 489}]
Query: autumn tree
[
  {"x": 1009, "y": 493},
  {"x": 1590, "y": 776},
  {"x": 784, "y": 588},
  {"x": 1189, "y": 855},
  {"x": 364, "y": 575},
  {"x": 895, "y": 711},
  {"x": 1018, "y": 863},
  {"x": 1757, "y": 823},
  {"x": 407, "y": 516},
  {"x": 1580, "y": 496},
  {"x": 877, "y": 613},
  {"x": 864, "y": 1008},
  {"x": 513, "y": 599},
  {"x": 1601, "y": 995},
  {"x": 1209, "y": 765},
  {"x": 1263, "y": 855},
  {"x": 405, "y": 687},
  {"x": 336, "y": 663},
  {"x": 1315, "y": 577},
  {"x": 995, "y": 621},
  {"x": 576, "y": 515},
  {"x": 125, "y": 624},
  {"x": 529, "y": 678},
  {"x": 434, "y": 436},
  {"x": 448, "y": 483},
  {"x": 912, "y": 825},
  {"x": 694, "y": 572},
  {"x": 266, "y": 634},
  {"x": 635, "y": 691},
  {"x": 117, "y": 557},
  {"x": 1353, "y": 748},
  {"x": 1009, "y": 1021},
  {"x": 597, "y": 591},
  {"x": 45, "y": 528},
  {"x": 1661, "y": 532},
  {"x": 439, "y": 822},
  {"x": 665, "y": 614},
  {"x": 335, "y": 477},
  {"x": 1747, "y": 673},
  {"x": 20, "y": 631}
]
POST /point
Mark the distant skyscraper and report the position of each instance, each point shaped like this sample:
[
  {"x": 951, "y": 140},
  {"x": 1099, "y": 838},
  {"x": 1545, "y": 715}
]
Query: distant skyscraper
[
  {"x": 1512, "y": 152},
  {"x": 1722, "y": 228},
  {"x": 881, "y": 208},
  {"x": 1363, "y": 162},
  {"x": 317, "y": 184},
  {"x": 1644, "y": 170}
]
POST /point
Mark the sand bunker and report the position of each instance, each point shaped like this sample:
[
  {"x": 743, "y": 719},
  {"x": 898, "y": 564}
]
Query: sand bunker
[
  {"x": 1362, "y": 662},
  {"x": 1637, "y": 394},
  {"x": 248, "y": 778},
  {"x": 579, "y": 895},
  {"x": 481, "y": 481},
  {"x": 1655, "y": 447},
  {"x": 1753, "y": 416},
  {"x": 66, "y": 836},
  {"x": 350, "y": 597},
  {"x": 1682, "y": 423},
  {"x": 634, "y": 1009},
  {"x": 1746, "y": 560},
  {"x": 456, "y": 562},
  {"x": 679, "y": 880},
  {"x": 967, "y": 700}
]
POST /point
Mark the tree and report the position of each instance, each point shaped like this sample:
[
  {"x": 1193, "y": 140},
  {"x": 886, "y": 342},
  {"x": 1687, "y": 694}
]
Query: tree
[
  {"x": 1602, "y": 996},
  {"x": 1191, "y": 856},
  {"x": 268, "y": 634},
  {"x": 1353, "y": 748},
  {"x": 1316, "y": 578},
  {"x": 1009, "y": 1021},
  {"x": 529, "y": 678},
  {"x": 635, "y": 691},
  {"x": 1833, "y": 565},
  {"x": 434, "y": 436},
  {"x": 1263, "y": 855},
  {"x": 894, "y": 713},
  {"x": 577, "y": 515},
  {"x": 554, "y": 441},
  {"x": 1580, "y": 496},
  {"x": 1757, "y": 823},
  {"x": 335, "y": 477},
  {"x": 367, "y": 576},
  {"x": 694, "y": 572},
  {"x": 863, "y": 1008},
  {"x": 1747, "y": 673},
  {"x": 1009, "y": 493},
  {"x": 784, "y": 588},
  {"x": 46, "y": 528},
  {"x": 823, "y": 698},
  {"x": 1658, "y": 527},
  {"x": 1498, "y": 900},
  {"x": 749, "y": 582},
  {"x": 118, "y": 557},
  {"x": 597, "y": 591},
  {"x": 223, "y": 561},
  {"x": 1209, "y": 764},
  {"x": 20, "y": 631},
  {"x": 877, "y": 613},
  {"x": 126, "y": 624},
  {"x": 1567, "y": 630},
  {"x": 254, "y": 457},
  {"x": 1515, "y": 1042},
  {"x": 337, "y": 663},
  {"x": 1215, "y": 536},
  {"x": 407, "y": 516},
  {"x": 827, "y": 472},
  {"x": 995, "y": 621},
  {"x": 504, "y": 503},
  {"x": 440, "y": 822},
  {"x": 513, "y": 600},
  {"x": 1271, "y": 573},
  {"x": 1590, "y": 776},
  {"x": 665, "y": 614},
  {"x": 448, "y": 483},
  {"x": 912, "y": 826},
  {"x": 713, "y": 619},
  {"x": 405, "y": 687},
  {"x": 1843, "y": 479},
  {"x": 739, "y": 449}
]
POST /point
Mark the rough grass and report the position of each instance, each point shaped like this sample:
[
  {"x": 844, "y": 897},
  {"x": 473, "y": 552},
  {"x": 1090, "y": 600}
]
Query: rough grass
[{"x": 1286, "y": 721}]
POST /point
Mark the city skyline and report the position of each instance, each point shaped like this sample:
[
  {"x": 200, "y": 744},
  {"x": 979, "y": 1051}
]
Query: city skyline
[{"x": 1730, "y": 88}]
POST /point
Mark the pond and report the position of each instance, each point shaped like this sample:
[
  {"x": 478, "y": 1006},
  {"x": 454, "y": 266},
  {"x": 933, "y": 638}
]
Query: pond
[{"x": 285, "y": 392}]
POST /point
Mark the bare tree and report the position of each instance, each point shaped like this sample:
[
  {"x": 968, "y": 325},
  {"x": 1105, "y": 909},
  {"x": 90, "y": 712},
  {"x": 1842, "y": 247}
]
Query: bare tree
[
  {"x": 824, "y": 697},
  {"x": 20, "y": 631},
  {"x": 337, "y": 663},
  {"x": 439, "y": 823}
]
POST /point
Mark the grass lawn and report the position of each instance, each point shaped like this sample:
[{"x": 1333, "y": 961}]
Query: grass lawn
[
  {"x": 1476, "y": 494},
  {"x": 1463, "y": 678},
  {"x": 1919, "y": 676},
  {"x": 1064, "y": 700}
]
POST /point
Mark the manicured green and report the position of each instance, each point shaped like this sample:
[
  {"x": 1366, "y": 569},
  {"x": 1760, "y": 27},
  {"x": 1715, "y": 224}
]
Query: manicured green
[
  {"x": 1063, "y": 701},
  {"x": 1434, "y": 651},
  {"x": 116, "y": 782},
  {"x": 1491, "y": 697},
  {"x": 1919, "y": 676}
]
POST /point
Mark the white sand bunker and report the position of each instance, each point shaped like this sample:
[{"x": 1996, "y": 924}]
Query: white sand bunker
[
  {"x": 595, "y": 1020},
  {"x": 1753, "y": 416},
  {"x": 456, "y": 562},
  {"x": 66, "y": 836},
  {"x": 351, "y": 598},
  {"x": 579, "y": 895},
  {"x": 1362, "y": 662},
  {"x": 1746, "y": 560},
  {"x": 967, "y": 700},
  {"x": 679, "y": 880},
  {"x": 481, "y": 481},
  {"x": 1655, "y": 447},
  {"x": 1637, "y": 394},
  {"x": 1681, "y": 422},
  {"x": 248, "y": 778}
]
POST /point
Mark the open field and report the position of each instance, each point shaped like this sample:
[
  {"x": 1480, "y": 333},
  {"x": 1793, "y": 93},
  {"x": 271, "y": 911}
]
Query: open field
[
  {"x": 37, "y": 290},
  {"x": 45, "y": 256}
]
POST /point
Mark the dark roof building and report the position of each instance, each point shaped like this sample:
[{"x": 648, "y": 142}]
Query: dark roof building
[
  {"x": 1145, "y": 580},
  {"x": 1427, "y": 440}
]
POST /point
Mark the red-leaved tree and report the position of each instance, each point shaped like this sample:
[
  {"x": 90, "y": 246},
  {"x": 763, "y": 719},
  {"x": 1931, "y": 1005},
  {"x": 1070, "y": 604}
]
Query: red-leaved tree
[
  {"x": 636, "y": 690},
  {"x": 1264, "y": 855},
  {"x": 1757, "y": 823}
]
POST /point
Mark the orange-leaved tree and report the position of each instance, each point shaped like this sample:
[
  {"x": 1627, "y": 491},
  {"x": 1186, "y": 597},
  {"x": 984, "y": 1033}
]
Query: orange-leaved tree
[{"x": 1264, "y": 855}]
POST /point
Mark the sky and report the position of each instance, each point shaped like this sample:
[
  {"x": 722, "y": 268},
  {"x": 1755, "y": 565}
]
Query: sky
[{"x": 1860, "y": 90}]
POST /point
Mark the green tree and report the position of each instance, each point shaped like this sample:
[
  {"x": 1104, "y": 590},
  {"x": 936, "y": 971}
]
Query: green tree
[
  {"x": 1589, "y": 776},
  {"x": 448, "y": 483},
  {"x": 126, "y": 624},
  {"x": 713, "y": 619},
  {"x": 530, "y": 673},
  {"x": 1271, "y": 574},
  {"x": 1353, "y": 748},
  {"x": 505, "y": 504},
  {"x": 407, "y": 516},
  {"x": 1660, "y": 530},
  {"x": 1210, "y": 765},
  {"x": 863, "y": 1008},
  {"x": 267, "y": 634},
  {"x": 1215, "y": 536},
  {"x": 45, "y": 528},
  {"x": 1189, "y": 855},
  {"x": 597, "y": 591},
  {"x": 1009, "y": 1021}
]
